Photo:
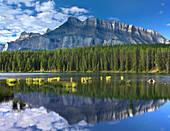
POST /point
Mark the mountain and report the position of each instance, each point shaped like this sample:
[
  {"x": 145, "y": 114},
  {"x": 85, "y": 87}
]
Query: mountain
[
  {"x": 2, "y": 47},
  {"x": 92, "y": 31},
  {"x": 75, "y": 109}
]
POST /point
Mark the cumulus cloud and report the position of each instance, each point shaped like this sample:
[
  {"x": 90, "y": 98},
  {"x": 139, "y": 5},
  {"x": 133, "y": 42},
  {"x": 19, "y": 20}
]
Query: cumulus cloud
[
  {"x": 74, "y": 10},
  {"x": 4, "y": 39},
  {"x": 29, "y": 12},
  {"x": 36, "y": 17},
  {"x": 161, "y": 12},
  {"x": 28, "y": 3},
  {"x": 82, "y": 17},
  {"x": 162, "y": 4},
  {"x": 46, "y": 6},
  {"x": 113, "y": 18},
  {"x": 168, "y": 24}
]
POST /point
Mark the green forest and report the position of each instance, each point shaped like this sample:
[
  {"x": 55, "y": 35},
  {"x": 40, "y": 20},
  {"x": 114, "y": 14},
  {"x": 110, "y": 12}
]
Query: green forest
[
  {"x": 102, "y": 89},
  {"x": 118, "y": 58}
]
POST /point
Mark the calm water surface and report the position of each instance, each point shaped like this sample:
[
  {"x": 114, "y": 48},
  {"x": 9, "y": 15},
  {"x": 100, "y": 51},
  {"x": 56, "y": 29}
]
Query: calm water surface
[{"x": 95, "y": 105}]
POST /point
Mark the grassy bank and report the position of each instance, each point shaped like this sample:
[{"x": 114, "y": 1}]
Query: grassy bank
[{"x": 122, "y": 72}]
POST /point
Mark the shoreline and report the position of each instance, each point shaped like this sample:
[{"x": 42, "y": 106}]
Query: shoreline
[{"x": 114, "y": 72}]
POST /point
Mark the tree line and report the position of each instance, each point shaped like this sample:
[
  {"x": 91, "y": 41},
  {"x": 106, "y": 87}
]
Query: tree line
[{"x": 122, "y": 58}]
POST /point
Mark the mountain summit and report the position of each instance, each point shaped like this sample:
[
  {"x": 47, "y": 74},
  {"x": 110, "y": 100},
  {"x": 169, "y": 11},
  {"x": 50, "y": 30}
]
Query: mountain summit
[{"x": 92, "y": 31}]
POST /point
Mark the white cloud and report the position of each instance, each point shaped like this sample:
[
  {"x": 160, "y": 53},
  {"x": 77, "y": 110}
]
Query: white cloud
[
  {"x": 60, "y": 16},
  {"x": 5, "y": 32},
  {"x": 46, "y": 6},
  {"x": 41, "y": 16},
  {"x": 161, "y": 12},
  {"x": 4, "y": 39},
  {"x": 29, "y": 12},
  {"x": 162, "y": 4},
  {"x": 82, "y": 17},
  {"x": 74, "y": 10},
  {"x": 28, "y": 3},
  {"x": 113, "y": 18},
  {"x": 168, "y": 24}
]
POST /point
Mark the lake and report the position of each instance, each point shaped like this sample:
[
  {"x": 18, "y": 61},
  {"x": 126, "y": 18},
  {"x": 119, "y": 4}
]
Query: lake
[{"x": 93, "y": 105}]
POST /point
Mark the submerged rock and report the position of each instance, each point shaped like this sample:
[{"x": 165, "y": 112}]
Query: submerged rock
[{"x": 151, "y": 81}]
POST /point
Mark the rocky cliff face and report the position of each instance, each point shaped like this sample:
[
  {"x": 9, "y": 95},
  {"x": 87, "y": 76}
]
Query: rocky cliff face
[
  {"x": 75, "y": 109},
  {"x": 2, "y": 47},
  {"x": 25, "y": 35},
  {"x": 93, "y": 31}
]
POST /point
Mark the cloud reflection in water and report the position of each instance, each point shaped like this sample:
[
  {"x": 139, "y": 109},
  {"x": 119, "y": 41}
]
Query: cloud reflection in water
[{"x": 36, "y": 119}]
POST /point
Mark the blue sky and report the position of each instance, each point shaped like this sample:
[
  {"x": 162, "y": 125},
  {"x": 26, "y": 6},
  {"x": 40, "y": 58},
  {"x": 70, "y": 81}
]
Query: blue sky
[{"x": 38, "y": 15}]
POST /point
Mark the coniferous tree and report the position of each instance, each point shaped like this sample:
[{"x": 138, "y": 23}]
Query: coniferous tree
[{"x": 136, "y": 58}]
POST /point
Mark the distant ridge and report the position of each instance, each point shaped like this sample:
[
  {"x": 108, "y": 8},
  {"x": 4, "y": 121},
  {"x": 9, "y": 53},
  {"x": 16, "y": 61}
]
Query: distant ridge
[{"x": 92, "y": 31}]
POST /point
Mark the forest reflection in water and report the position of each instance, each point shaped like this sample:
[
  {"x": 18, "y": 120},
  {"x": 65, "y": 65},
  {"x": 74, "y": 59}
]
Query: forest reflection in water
[{"x": 95, "y": 101}]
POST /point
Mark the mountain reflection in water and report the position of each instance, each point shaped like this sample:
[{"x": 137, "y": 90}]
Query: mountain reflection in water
[
  {"x": 97, "y": 101},
  {"x": 75, "y": 109}
]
